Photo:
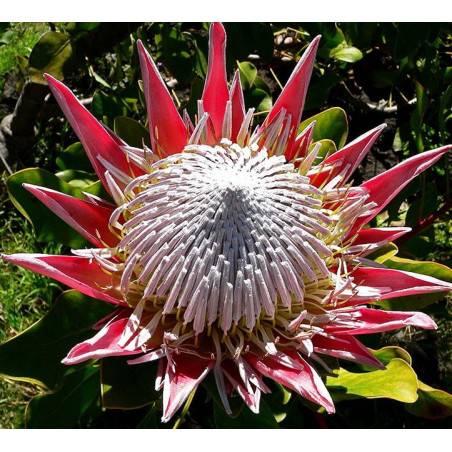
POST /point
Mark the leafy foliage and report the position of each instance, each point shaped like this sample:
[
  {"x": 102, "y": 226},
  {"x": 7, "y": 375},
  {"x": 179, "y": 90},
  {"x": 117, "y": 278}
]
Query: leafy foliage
[{"x": 358, "y": 65}]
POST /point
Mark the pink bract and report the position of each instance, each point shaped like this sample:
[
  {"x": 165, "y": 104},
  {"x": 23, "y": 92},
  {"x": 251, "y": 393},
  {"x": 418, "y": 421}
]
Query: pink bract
[{"x": 227, "y": 249}]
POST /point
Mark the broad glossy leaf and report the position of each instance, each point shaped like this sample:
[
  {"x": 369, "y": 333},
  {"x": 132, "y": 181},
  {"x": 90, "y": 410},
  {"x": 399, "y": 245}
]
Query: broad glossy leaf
[
  {"x": 258, "y": 99},
  {"x": 200, "y": 61},
  {"x": 126, "y": 386},
  {"x": 278, "y": 400},
  {"x": 330, "y": 124},
  {"x": 245, "y": 417},
  {"x": 327, "y": 148},
  {"x": 74, "y": 157},
  {"x": 52, "y": 54},
  {"x": 35, "y": 355},
  {"x": 65, "y": 407},
  {"x": 348, "y": 54},
  {"x": 416, "y": 302},
  {"x": 76, "y": 28},
  {"x": 132, "y": 132},
  {"x": 77, "y": 179},
  {"x": 431, "y": 404},
  {"x": 384, "y": 253},
  {"x": 398, "y": 382},
  {"x": 151, "y": 419},
  {"x": 417, "y": 118},
  {"x": 422, "y": 208},
  {"x": 105, "y": 108},
  {"x": 173, "y": 51},
  {"x": 48, "y": 227},
  {"x": 248, "y": 74},
  {"x": 319, "y": 90},
  {"x": 386, "y": 354}
]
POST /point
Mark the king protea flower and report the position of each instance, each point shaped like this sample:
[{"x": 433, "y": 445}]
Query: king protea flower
[{"x": 228, "y": 250}]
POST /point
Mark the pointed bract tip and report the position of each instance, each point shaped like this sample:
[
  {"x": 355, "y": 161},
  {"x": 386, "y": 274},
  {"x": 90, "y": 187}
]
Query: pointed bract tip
[
  {"x": 140, "y": 46},
  {"x": 217, "y": 27}
]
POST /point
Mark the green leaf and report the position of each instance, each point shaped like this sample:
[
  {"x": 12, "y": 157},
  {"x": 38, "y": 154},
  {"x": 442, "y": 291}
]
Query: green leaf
[
  {"x": 417, "y": 118},
  {"x": 105, "y": 108},
  {"x": 6, "y": 37},
  {"x": 65, "y": 407},
  {"x": 330, "y": 124},
  {"x": 319, "y": 90},
  {"x": 48, "y": 227},
  {"x": 77, "y": 179},
  {"x": 200, "y": 61},
  {"x": 150, "y": 420},
  {"x": 409, "y": 37},
  {"x": 261, "y": 100},
  {"x": 127, "y": 386},
  {"x": 248, "y": 73},
  {"x": 74, "y": 157},
  {"x": 76, "y": 28},
  {"x": 173, "y": 51},
  {"x": 132, "y": 132},
  {"x": 416, "y": 302},
  {"x": 35, "y": 355},
  {"x": 348, "y": 54},
  {"x": 423, "y": 207},
  {"x": 384, "y": 253},
  {"x": 398, "y": 382},
  {"x": 52, "y": 54},
  {"x": 245, "y": 417},
  {"x": 327, "y": 148},
  {"x": 386, "y": 354},
  {"x": 431, "y": 404},
  {"x": 278, "y": 401}
]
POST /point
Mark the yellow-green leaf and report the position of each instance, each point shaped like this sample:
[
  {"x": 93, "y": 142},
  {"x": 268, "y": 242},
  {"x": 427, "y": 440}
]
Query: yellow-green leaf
[
  {"x": 52, "y": 54},
  {"x": 398, "y": 382},
  {"x": 330, "y": 124},
  {"x": 384, "y": 253},
  {"x": 416, "y": 302},
  {"x": 431, "y": 404}
]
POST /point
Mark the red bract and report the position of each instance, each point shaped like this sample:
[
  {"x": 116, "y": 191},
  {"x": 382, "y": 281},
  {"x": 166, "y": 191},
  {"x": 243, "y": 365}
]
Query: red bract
[{"x": 228, "y": 250}]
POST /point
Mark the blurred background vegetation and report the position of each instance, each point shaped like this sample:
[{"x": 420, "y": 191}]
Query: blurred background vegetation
[{"x": 397, "y": 73}]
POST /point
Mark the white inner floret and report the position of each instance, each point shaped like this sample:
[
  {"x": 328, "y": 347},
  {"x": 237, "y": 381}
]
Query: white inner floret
[{"x": 223, "y": 233}]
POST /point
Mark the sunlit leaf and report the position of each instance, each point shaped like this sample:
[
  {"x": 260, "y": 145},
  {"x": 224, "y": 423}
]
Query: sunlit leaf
[
  {"x": 398, "y": 382},
  {"x": 48, "y": 227},
  {"x": 416, "y": 302},
  {"x": 74, "y": 157},
  {"x": 383, "y": 253},
  {"x": 52, "y": 54},
  {"x": 348, "y": 54},
  {"x": 248, "y": 74},
  {"x": 431, "y": 404},
  {"x": 132, "y": 132},
  {"x": 330, "y": 124}
]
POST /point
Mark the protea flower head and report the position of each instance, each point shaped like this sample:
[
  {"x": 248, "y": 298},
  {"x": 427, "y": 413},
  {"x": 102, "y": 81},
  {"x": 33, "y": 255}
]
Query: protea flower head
[{"x": 228, "y": 249}]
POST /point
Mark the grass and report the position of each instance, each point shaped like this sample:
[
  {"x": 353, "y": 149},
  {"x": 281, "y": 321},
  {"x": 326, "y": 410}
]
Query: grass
[
  {"x": 22, "y": 37},
  {"x": 24, "y": 298}
]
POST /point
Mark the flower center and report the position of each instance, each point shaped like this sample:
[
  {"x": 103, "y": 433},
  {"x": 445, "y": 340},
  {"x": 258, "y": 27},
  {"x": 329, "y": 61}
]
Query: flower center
[{"x": 223, "y": 234}]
